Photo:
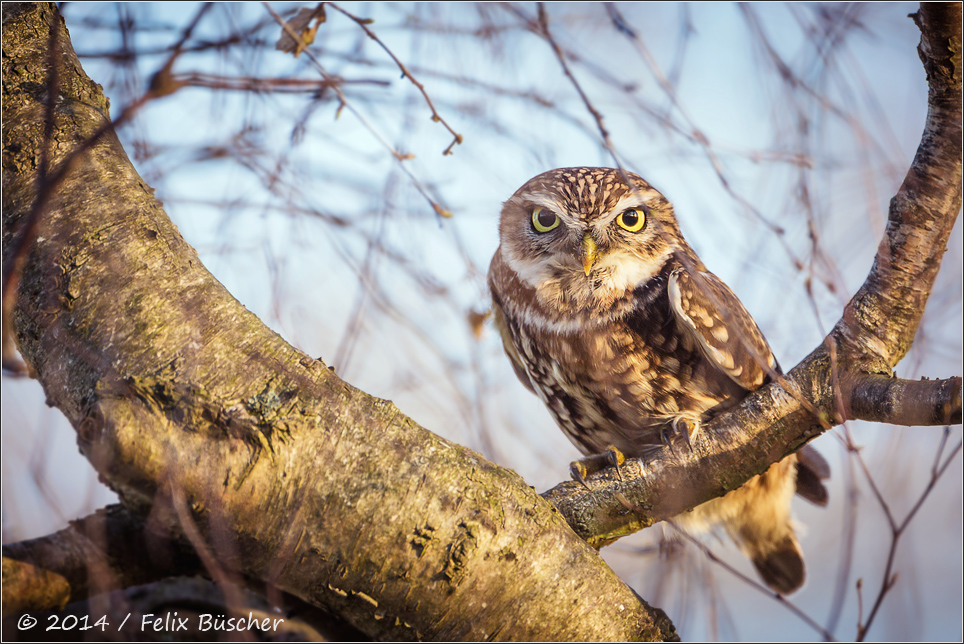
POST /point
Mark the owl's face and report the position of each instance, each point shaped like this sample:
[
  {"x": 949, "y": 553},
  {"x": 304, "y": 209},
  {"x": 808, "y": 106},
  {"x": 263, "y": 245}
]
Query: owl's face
[{"x": 583, "y": 237}]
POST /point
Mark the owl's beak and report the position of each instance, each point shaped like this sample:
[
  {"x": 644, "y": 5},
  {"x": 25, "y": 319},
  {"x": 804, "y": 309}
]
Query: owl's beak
[{"x": 589, "y": 253}]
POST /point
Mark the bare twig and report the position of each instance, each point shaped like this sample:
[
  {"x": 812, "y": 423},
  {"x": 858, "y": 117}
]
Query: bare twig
[
  {"x": 281, "y": 85},
  {"x": 542, "y": 28},
  {"x": 363, "y": 23},
  {"x": 889, "y": 579},
  {"x": 345, "y": 104},
  {"x": 751, "y": 582},
  {"x": 623, "y": 27}
]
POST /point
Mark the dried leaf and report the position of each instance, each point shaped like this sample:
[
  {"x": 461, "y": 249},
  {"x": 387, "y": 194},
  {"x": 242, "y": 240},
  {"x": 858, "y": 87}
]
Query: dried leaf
[{"x": 300, "y": 26}]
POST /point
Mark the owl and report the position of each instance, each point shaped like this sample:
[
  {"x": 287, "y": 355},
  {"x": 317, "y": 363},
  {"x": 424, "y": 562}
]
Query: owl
[{"x": 611, "y": 319}]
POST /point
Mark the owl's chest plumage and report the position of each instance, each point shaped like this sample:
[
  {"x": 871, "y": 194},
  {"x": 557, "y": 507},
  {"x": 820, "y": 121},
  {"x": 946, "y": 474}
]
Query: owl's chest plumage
[{"x": 616, "y": 375}]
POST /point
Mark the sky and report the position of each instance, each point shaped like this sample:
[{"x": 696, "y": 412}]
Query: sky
[{"x": 305, "y": 213}]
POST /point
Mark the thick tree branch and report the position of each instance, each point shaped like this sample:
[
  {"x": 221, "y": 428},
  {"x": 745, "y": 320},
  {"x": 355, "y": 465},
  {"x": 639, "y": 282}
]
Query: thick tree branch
[
  {"x": 881, "y": 319},
  {"x": 905, "y": 402},
  {"x": 189, "y": 406},
  {"x": 110, "y": 549},
  {"x": 116, "y": 549}
]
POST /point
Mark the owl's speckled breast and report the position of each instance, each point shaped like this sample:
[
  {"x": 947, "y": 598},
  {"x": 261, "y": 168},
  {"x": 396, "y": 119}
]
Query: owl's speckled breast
[{"x": 619, "y": 381}]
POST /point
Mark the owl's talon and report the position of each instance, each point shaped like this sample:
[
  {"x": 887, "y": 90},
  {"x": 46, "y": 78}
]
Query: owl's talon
[
  {"x": 593, "y": 463},
  {"x": 690, "y": 429},
  {"x": 681, "y": 429},
  {"x": 665, "y": 436},
  {"x": 578, "y": 472},
  {"x": 686, "y": 434},
  {"x": 615, "y": 458}
]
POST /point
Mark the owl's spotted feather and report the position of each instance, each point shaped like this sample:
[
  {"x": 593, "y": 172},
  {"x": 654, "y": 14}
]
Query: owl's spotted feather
[{"x": 611, "y": 319}]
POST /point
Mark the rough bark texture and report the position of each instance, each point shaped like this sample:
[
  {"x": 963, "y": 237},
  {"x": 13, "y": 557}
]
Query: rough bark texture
[
  {"x": 188, "y": 406},
  {"x": 28, "y": 587}
]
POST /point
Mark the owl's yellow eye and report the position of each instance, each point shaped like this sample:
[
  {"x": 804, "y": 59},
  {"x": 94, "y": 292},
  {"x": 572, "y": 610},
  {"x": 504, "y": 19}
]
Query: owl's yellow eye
[
  {"x": 544, "y": 221},
  {"x": 632, "y": 220}
]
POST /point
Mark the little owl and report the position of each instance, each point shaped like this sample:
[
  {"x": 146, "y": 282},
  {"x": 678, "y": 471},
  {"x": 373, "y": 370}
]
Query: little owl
[{"x": 612, "y": 320}]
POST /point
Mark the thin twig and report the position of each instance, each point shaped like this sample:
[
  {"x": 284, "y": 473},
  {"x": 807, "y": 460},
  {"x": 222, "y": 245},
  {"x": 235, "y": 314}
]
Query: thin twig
[
  {"x": 695, "y": 133},
  {"x": 754, "y": 584},
  {"x": 280, "y": 85},
  {"x": 889, "y": 580},
  {"x": 543, "y": 30},
  {"x": 361, "y": 22},
  {"x": 751, "y": 582},
  {"x": 848, "y": 532},
  {"x": 344, "y": 103}
]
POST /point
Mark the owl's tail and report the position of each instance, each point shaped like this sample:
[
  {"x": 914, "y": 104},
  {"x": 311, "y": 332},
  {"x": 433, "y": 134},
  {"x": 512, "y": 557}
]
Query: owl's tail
[
  {"x": 779, "y": 559},
  {"x": 812, "y": 470},
  {"x": 762, "y": 527},
  {"x": 757, "y": 517},
  {"x": 781, "y": 567}
]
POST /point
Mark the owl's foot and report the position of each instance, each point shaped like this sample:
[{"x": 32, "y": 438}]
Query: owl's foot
[
  {"x": 593, "y": 463},
  {"x": 681, "y": 428}
]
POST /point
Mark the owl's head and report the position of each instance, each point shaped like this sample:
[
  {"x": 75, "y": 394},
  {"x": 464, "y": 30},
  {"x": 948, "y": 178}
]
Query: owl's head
[{"x": 586, "y": 236}]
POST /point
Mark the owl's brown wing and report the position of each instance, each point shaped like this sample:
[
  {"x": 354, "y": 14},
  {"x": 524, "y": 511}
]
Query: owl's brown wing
[
  {"x": 729, "y": 338},
  {"x": 732, "y": 341}
]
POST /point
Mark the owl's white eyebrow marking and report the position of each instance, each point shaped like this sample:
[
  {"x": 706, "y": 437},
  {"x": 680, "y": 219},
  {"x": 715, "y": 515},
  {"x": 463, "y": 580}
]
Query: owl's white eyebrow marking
[
  {"x": 632, "y": 200},
  {"x": 547, "y": 200}
]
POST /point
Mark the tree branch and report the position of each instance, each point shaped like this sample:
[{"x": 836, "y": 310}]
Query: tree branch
[
  {"x": 190, "y": 408},
  {"x": 109, "y": 549},
  {"x": 115, "y": 549},
  {"x": 183, "y": 400},
  {"x": 878, "y": 325},
  {"x": 874, "y": 333},
  {"x": 906, "y": 402}
]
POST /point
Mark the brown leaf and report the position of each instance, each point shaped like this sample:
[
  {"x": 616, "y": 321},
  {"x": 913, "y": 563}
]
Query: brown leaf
[{"x": 300, "y": 26}]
